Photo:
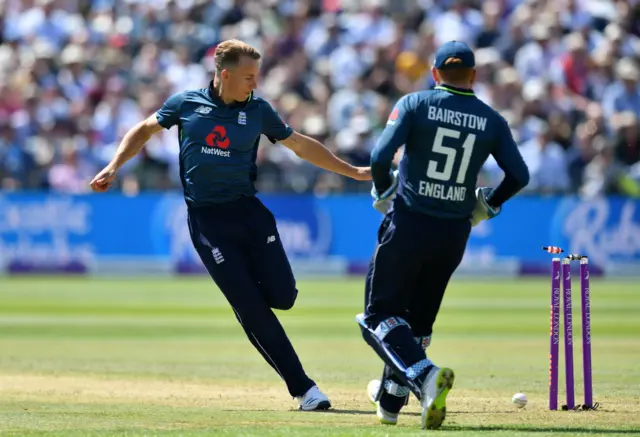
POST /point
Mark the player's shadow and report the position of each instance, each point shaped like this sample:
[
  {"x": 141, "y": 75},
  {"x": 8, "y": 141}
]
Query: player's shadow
[
  {"x": 362, "y": 412},
  {"x": 541, "y": 429},
  {"x": 481, "y": 412}
]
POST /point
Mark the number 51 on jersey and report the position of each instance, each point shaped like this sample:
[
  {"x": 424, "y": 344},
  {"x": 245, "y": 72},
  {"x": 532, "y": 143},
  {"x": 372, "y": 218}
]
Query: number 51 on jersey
[{"x": 439, "y": 191}]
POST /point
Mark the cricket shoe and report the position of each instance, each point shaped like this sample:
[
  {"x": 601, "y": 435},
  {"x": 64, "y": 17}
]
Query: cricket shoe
[
  {"x": 435, "y": 388},
  {"x": 314, "y": 400},
  {"x": 385, "y": 417}
]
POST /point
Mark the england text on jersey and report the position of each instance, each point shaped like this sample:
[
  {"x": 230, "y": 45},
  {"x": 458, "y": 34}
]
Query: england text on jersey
[{"x": 438, "y": 191}]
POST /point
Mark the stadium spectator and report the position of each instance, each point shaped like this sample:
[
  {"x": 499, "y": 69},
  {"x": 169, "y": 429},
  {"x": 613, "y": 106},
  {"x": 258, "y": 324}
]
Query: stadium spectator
[{"x": 76, "y": 74}]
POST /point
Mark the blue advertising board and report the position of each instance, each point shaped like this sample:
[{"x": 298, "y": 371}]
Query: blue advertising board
[{"x": 48, "y": 231}]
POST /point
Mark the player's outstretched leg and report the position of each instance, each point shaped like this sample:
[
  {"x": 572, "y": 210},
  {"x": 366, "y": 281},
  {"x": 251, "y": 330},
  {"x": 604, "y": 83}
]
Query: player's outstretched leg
[
  {"x": 312, "y": 399},
  {"x": 271, "y": 273},
  {"x": 267, "y": 335},
  {"x": 227, "y": 264}
]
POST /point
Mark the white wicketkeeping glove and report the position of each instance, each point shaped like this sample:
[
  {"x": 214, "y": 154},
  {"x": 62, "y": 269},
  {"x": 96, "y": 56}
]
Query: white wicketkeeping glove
[
  {"x": 483, "y": 211},
  {"x": 382, "y": 202}
]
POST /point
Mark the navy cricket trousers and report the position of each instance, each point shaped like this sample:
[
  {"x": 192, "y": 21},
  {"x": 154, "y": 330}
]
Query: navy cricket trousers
[
  {"x": 414, "y": 260},
  {"x": 239, "y": 244}
]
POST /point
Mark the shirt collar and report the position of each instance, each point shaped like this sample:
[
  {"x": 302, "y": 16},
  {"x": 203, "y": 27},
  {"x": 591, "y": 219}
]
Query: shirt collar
[
  {"x": 218, "y": 101},
  {"x": 456, "y": 90}
]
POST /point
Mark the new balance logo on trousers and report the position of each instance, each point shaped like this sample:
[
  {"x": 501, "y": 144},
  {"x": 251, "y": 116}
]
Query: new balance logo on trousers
[{"x": 217, "y": 255}]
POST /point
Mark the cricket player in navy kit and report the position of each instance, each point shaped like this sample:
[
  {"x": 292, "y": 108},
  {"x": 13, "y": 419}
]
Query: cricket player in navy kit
[
  {"x": 232, "y": 231},
  {"x": 430, "y": 205}
]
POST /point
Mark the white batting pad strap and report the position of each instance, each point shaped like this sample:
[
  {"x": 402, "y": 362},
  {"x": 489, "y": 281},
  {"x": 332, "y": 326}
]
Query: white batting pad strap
[
  {"x": 395, "y": 389},
  {"x": 387, "y": 325}
]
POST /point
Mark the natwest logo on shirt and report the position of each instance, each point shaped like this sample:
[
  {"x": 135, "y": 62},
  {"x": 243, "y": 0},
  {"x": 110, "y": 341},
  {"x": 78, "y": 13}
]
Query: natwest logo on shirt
[
  {"x": 218, "y": 141},
  {"x": 218, "y": 138}
]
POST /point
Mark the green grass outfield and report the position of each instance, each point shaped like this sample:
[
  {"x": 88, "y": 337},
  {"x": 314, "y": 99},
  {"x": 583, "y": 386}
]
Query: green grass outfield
[{"x": 136, "y": 357}]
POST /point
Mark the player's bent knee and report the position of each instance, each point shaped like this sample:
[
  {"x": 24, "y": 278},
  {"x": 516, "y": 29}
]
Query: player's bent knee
[
  {"x": 283, "y": 305},
  {"x": 285, "y": 300}
]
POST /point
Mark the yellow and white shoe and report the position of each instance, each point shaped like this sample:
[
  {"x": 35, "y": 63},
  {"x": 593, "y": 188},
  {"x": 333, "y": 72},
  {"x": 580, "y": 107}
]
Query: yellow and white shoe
[{"x": 435, "y": 389}]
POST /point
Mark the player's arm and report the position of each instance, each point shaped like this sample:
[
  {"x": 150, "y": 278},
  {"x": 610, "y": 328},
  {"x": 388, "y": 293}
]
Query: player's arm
[
  {"x": 135, "y": 139},
  {"x": 516, "y": 173},
  {"x": 393, "y": 136},
  {"x": 307, "y": 148},
  {"x": 316, "y": 153}
]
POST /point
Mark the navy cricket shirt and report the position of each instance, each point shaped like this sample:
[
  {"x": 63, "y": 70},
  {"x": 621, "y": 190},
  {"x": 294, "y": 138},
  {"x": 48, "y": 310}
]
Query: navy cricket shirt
[
  {"x": 448, "y": 134},
  {"x": 219, "y": 143}
]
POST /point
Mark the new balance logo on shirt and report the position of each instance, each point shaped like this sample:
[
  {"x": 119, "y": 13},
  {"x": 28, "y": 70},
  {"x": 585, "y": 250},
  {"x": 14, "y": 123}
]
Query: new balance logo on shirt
[
  {"x": 271, "y": 239},
  {"x": 204, "y": 110}
]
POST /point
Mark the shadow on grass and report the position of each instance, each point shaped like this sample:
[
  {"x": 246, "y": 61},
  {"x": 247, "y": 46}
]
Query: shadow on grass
[
  {"x": 330, "y": 411},
  {"x": 488, "y": 428},
  {"x": 483, "y": 412},
  {"x": 493, "y": 428},
  {"x": 541, "y": 429},
  {"x": 361, "y": 412}
]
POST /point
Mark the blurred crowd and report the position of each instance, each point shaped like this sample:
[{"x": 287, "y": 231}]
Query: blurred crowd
[{"x": 75, "y": 75}]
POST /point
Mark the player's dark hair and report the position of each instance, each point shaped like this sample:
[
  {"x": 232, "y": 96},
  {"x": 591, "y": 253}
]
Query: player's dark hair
[
  {"x": 229, "y": 52},
  {"x": 454, "y": 72}
]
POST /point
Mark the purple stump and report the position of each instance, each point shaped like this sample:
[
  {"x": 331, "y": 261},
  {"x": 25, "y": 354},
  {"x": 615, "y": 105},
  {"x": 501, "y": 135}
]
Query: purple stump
[
  {"x": 554, "y": 339},
  {"x": 568, "y": 332},
  {"x": 586, "y": 331}
]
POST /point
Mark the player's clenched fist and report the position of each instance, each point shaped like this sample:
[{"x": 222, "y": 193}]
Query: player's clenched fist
[{"x": 103, "y": 180}]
